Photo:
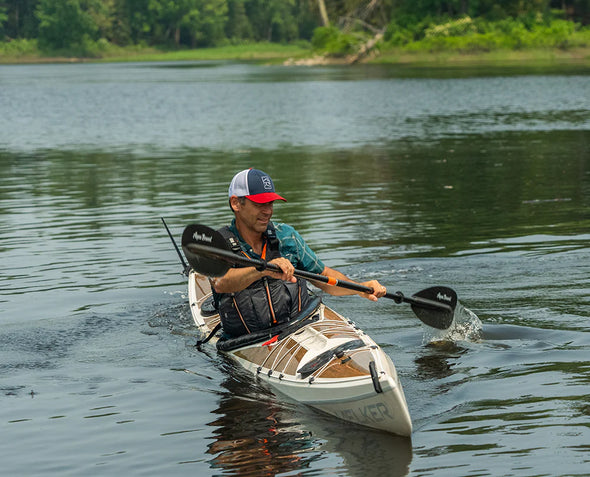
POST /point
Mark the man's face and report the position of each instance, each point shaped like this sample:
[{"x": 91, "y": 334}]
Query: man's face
[{"x": 253, "y": 216}]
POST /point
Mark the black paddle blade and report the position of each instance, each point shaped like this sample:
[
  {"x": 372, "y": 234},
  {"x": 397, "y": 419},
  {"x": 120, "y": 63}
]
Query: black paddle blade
[
  {"x": 435, "y": 316},
  {"x": 202, "y": 235}
]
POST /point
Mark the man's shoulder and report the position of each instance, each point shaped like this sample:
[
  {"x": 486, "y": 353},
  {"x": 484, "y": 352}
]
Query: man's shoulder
[
  {"x": 282, "y": 228},
  {"x": 294, "y": 248},
  {"x": 286, "y": 232}
]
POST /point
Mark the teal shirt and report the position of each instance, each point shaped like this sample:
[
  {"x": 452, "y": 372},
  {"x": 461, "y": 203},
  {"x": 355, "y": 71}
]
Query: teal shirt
[{"x": 292, "y": 247}]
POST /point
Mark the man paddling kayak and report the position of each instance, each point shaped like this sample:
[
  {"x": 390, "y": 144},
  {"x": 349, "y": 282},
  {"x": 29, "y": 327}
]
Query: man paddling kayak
[{"x": 249, "y": 300}]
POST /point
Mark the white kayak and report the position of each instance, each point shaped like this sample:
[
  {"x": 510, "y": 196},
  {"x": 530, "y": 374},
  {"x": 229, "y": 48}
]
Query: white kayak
[{"x": 320, "y": 359}]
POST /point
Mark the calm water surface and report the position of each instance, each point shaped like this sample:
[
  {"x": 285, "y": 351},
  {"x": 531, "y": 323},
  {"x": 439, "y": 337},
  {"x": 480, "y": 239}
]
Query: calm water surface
[{"x": 479, "y": 183}]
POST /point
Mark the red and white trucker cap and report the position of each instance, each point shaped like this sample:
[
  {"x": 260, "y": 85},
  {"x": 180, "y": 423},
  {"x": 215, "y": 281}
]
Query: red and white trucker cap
[{"x": 254, "y": 185}]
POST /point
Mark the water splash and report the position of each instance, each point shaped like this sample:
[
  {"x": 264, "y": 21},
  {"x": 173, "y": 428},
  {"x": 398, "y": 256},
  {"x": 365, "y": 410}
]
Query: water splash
[{"x": 466, "y": 326}]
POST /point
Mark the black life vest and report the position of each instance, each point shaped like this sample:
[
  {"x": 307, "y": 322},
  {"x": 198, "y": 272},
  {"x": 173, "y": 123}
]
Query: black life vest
[{"x": 266, "y": 302}]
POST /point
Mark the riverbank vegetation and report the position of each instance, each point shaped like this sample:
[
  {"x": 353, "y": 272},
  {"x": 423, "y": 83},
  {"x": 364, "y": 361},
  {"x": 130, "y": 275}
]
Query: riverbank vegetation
[{"x": 338, "y": 30}]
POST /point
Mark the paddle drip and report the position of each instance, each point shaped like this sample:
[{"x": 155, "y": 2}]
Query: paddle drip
[{"x": 466, "y": 326}]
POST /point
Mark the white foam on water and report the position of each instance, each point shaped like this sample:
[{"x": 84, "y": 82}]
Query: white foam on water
[{"x": 466, "y": 326}]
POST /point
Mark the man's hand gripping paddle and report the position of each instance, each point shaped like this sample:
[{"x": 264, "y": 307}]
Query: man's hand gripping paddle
[{"x": 208, "y": 254}]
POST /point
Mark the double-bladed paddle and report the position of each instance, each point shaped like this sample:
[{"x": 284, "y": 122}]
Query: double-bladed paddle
[{"x": 208, "y": 253}]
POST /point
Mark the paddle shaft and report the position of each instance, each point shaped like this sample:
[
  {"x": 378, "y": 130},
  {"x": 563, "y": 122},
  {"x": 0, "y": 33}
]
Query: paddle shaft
[{"x": 261, "y": 265}]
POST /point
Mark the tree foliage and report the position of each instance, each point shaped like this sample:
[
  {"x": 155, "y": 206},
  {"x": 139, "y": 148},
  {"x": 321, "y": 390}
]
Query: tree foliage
[
  {"x": 66, "y": 23},
  {"x": 192, "y": 23}
]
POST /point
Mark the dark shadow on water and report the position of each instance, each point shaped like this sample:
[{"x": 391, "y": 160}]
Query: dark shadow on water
[
  {"x": 184, "y": 65},
  {"x": 446, "y": 71},
  {"x": 436, "y": 361},
  {"x": 278, "y": 73}
]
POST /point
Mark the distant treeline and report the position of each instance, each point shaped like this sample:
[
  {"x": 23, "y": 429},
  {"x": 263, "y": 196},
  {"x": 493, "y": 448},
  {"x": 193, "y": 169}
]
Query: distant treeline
[{"x": 56, "y": 25}]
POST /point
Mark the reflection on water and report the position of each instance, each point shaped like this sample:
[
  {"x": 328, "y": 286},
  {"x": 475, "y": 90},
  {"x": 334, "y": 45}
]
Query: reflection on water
[
  {"x": 437, "y": 360},
  {"x": 257, "y": 433},
  {"x": 251, "y": 437}
]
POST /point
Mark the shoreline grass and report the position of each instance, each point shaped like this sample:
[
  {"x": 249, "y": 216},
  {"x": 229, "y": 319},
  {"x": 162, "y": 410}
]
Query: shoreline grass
[
  {"x": 243, "y": 52},
  {"x": 501, "y": 57},
  {"x": 537, "y": 59},
  {"x": 271, "y": 53}
]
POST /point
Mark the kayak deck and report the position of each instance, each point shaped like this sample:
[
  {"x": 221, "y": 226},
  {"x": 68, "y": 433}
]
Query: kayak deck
[{"x": 323, "y": 360}]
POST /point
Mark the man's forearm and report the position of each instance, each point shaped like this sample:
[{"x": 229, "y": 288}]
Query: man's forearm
[{"x": 236, "y": 279}]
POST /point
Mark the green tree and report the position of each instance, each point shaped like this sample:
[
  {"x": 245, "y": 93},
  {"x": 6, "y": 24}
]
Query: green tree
[
  {"x": 65, "y": 23},
  {"x": 170, "y": 16},
  {"x": 103, "y": 15},
  {"x": 3, "y": 19},
  {"x": 179, "y": 22},
  {"x": 273, "y": 20},
  {"x": 20, "y": 20},
  {"x": 238, "y": 25},
  {"x": 209, "y": 29},
  {"x": 307, "y": 18},
  {"x": 134, "y": 23},
  {"x": 577, "y": 10}
]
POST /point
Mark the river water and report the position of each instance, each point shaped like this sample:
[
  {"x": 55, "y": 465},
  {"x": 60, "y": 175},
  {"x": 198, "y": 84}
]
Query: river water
[{"x": 414, "y": 177}]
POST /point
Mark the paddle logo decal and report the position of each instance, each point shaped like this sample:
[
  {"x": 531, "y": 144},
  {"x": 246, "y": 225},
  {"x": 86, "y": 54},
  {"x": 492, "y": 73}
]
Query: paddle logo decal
[
  {"x": 202, "y": 237},
  {"x": 443, "y": 297}
]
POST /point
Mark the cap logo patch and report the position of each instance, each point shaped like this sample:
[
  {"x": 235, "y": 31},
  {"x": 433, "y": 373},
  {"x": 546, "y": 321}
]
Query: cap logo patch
[{"x": 266, "y": 183}]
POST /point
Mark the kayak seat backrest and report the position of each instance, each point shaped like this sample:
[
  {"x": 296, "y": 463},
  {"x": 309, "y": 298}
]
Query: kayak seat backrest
[
  {"x": 306, "y": 316},
  {"x": 327, "y": 356},
  {"x": 208, "y": 307}
]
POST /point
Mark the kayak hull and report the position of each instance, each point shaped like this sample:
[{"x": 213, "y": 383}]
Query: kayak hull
[{"x": 323, "y": 360}]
